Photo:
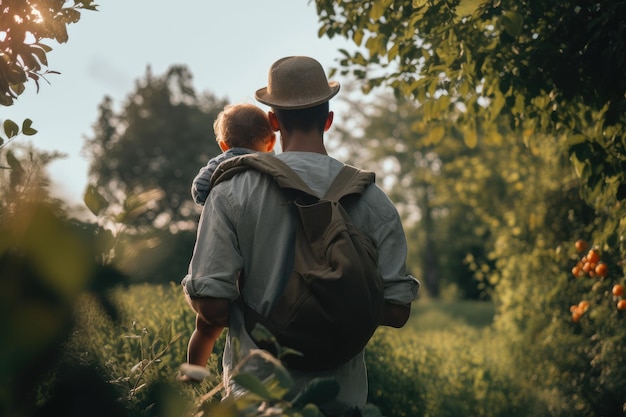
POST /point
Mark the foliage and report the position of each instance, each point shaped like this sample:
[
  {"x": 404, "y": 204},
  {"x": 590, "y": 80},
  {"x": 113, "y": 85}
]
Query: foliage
[
  {"x": 12, "y": 130},
  {"x": 535, "y": 91},
  {"x": 24, "y": 178},
  {"x": 437, "y": 365},
  {"x": 158, "y": 141},
  {"x": 542, "y": 67},
  {"x": 424, "y": 171},
  {"x": 139, "y": 357},
  {"x": 24, "y": 25},
  {"x": 447, "y": 372},
  {"x": 46, "y": 262},
  {"x": 23, "y": 55},
  {"x": 144, "y": 254},
  {"x": 139, "y": 353}
]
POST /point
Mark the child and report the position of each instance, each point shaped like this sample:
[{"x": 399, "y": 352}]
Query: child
[{"x": 239, "y": 129}]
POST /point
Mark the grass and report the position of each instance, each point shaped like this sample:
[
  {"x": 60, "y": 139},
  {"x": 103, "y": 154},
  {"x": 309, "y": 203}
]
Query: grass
[{"x": 429, "y": 314}]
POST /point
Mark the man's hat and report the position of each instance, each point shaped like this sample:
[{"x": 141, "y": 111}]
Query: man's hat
[{"x": 296, "y": 82}]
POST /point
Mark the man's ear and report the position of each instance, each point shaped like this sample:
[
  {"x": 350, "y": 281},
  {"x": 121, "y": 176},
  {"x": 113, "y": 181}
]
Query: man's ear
[
  {"x": 329, "y": 120},
  {"x": 273, "y": 121}
]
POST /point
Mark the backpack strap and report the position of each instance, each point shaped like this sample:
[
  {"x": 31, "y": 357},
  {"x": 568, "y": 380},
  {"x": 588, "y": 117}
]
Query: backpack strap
[
  {"x": 349, "y": 180},
  {"x": 266, "y": 163}
]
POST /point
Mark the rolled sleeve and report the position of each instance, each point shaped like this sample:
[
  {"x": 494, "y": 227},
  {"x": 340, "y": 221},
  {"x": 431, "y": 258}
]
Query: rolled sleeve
[
  {"x": 402, "y": 290},
  {"x": 216, "y": 260},
  {"x": 400, "y": 287}
]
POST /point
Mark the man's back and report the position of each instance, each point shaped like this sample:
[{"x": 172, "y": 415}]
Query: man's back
[
  {"x": 247, "y": 230},
  {"x": 252, "y": 212}
]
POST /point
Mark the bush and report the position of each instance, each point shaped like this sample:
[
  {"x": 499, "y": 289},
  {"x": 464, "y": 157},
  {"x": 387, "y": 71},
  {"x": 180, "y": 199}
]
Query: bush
[{"x": 453, "y": 372}]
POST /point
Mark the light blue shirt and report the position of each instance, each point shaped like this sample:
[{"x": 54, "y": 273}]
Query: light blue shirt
[{"x": 247, "y": 226}]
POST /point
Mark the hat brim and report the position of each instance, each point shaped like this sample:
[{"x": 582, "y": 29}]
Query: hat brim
[{"x": 263, "y": 96}]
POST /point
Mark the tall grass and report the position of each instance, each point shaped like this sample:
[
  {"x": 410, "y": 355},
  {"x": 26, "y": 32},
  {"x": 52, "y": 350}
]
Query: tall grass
[{"x": 447, "y": 360}]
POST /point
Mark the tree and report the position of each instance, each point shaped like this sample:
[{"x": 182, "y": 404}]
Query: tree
[
  {"x": 23, "y": 55},
  {"x": 24, "y": 179},
  {"x": 552, "y": 74},
  {"x": 159, "y": 140},
  {"x": 544, "y": 67},
  {"x": 25, "y": 23}
]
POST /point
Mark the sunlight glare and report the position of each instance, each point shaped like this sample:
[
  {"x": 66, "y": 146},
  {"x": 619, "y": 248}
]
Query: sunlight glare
[{"x": 37, "y": 17}]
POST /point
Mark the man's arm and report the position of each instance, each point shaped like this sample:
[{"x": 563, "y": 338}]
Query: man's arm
[{"x": 395, "y": 315}]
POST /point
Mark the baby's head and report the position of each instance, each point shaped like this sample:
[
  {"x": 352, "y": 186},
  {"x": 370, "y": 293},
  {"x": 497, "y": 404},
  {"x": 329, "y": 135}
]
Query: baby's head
[{"x": 244, "y": 126}]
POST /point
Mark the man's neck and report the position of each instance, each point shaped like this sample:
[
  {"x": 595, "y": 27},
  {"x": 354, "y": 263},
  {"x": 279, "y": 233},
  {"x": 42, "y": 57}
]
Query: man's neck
[{"x": 303, "y": 142}]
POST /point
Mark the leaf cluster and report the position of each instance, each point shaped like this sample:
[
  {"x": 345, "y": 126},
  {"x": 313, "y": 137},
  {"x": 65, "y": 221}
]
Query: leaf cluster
[
  {"x": 521, "y": 56},
  {"x": 541, "y": 67},
  {"x": 23, "y": 55}
]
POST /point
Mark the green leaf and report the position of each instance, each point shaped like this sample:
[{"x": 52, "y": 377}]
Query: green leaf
[
  {"x": 378, "y": 8},
  {"x": 94, "y": 200},
  {"x": 435, "y": 135},
  {"x": 512, "y": 22},
  {"x": 318, "y": 391},
  {"x": 470, "y": 137},
  {"x": 467, "y": 7},
  {"x": 283, "y": 376},
  {"x": 261, "y": 334},
  {"x": 581, "y": 167},
  {"x": 11, "y": 128},
  {"x": 27, "y": 129},
  {"x": 253, "y": 385},
  {"x": 358, "y": 37}
]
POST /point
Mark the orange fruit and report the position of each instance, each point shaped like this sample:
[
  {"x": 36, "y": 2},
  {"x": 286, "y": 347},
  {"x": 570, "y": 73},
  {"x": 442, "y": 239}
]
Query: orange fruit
[
  {"x": 621, "y": 305},
  {"x": 618, "y": 290},
  {"x": 602, "y": 270},
  {"x": 583, "y": 306},
  {"x": 581, "y": 245},
  {"x": 593, "y": 256}
]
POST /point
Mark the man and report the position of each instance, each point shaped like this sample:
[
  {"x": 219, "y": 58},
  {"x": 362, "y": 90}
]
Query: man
[{"x": 246, "y": 229}]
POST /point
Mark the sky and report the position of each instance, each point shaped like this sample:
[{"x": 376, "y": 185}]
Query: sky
[{"x": 227, "y": 45}]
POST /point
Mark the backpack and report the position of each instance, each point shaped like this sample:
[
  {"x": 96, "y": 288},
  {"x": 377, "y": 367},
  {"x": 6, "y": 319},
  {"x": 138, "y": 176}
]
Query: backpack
[{"x": 332, "y": 302}]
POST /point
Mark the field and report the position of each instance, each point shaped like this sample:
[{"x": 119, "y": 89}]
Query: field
[{"x": 445, "y": 362}]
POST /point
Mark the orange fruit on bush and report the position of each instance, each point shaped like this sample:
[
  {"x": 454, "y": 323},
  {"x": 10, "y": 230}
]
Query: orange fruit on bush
[
  {"x": 621, "y": 305},
  {"x": 581, "y": 245},
  {"x": 602, "y": 270},
  {"x": 583, "y": 306},
  {"x": 618, "y": 290},
  {"x": 593, "y": 256}
]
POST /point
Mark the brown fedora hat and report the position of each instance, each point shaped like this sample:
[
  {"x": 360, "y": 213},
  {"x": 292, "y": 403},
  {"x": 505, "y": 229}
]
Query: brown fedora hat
[{"x": 296, "y": 82}]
